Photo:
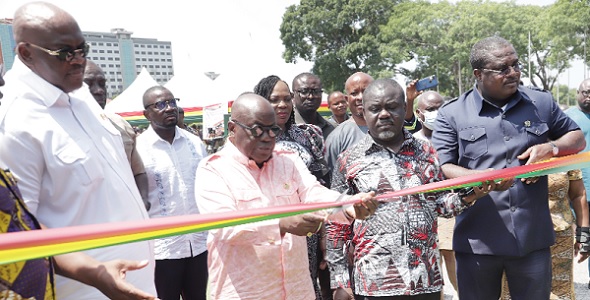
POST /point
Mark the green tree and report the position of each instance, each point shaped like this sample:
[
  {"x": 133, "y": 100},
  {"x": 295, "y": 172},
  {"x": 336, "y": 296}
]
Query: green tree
[
  {"x": 439, "y": 37},
  {"x": 339, "y": 36},
  {"x": 564, "y": 95}
]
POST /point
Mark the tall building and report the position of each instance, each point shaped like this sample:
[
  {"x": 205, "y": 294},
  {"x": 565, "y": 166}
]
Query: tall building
[{"x": 119, "y": 55}]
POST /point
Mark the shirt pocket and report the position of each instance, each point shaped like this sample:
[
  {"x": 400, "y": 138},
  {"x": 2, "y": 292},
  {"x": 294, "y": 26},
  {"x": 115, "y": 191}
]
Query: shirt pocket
[
  {"x": 248, "y": 200},
  {"x": 474, "y": 142},
  {"x": 537, "y": 133},
  {"x": 75, "y": 157}
]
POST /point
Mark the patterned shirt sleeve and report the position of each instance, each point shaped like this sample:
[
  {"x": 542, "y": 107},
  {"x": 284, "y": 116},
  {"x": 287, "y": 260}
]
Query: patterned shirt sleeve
[{"x": 338, "y": 236}]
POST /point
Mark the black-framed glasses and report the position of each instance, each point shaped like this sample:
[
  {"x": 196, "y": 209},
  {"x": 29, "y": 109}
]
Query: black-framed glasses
[
  {"x": 161, "y": 105},
  {"x": 66, "y": 54},
  {"x": 306, "y": 92},
  {"x": 503, "y": 72},
  {"x": 257, "y": 130}
]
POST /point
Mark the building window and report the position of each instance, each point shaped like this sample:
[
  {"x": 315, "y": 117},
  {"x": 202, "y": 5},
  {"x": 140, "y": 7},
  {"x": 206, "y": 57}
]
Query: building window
[
  {"x": 100, "y": 51},
  {"x": 108, "y": 44}
]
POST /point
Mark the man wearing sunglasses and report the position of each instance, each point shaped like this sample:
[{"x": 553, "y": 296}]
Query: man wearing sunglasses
[
  {"x": 68, "y": 159},
  {"x": 171, "y": 156},
  {"x": 497, "y": 125},
  {"x": 268, "y": 259},
  {"x": 307, "y": 98}
]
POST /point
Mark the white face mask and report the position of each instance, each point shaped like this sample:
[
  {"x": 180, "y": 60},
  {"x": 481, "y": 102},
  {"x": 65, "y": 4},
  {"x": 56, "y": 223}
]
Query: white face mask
[{"x": 429, "y": 119}]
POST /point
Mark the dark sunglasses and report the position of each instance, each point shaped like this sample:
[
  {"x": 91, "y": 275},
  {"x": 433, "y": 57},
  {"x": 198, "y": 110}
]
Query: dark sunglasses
[
  {"x": 257, "y": 130},
  {"x": 161, "y": 105},
  {"x": 66, "y": 54},
  {"x": 505, "y": 71}
]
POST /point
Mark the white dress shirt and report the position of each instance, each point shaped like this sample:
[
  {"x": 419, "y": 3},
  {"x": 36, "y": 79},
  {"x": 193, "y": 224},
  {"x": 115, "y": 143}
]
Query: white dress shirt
[
  {"x": 71, "y": 168},
  {"x": 171, "y": 170}
]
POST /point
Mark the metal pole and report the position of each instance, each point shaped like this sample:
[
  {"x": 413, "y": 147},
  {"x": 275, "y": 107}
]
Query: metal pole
[
  {"x": 530, "y": 73},
  {"x": 460, "y": 85}
]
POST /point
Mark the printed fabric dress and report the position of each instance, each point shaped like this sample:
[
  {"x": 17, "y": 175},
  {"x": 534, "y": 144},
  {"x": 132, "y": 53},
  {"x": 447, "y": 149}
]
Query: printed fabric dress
[{"x": 308, "y": 142}]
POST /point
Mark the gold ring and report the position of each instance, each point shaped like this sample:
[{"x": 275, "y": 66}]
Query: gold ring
[{"x": 309, "y": 234}]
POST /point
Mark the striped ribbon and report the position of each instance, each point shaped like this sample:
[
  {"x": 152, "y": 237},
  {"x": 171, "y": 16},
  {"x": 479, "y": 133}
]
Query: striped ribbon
[{"x": 18, "y": 246}]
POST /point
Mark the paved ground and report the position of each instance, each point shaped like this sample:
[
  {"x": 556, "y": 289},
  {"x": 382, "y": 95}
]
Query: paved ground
[{"x": 580, "y": 282}]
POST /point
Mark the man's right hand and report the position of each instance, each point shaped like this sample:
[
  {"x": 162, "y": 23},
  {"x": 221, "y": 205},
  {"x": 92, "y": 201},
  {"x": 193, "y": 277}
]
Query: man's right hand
[{"x": 301, "y": 224}]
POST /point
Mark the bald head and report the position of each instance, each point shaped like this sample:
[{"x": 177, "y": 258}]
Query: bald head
[
  {"x": 358, "y": 77},
  {"x": 39, "y": 17},
  {"x": 96, "y": 81},
  {"x": 583, "y": 96},
  {"x": 39, "y": 27},
  {"x": 251, "y": 114},
  {"x": 249, "y": 105},
  {"x": 355, "y": 87},
  {"x": 430, "y": 99}
]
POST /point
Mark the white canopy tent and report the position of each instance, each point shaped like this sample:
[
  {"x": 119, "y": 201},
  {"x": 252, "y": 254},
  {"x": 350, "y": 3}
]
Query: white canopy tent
[
  {"x": 131, "y": 99},
  {"x": 198, "y": 90}
]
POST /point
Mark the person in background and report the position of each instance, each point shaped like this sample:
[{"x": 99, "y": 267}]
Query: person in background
[
  {"x": 305, "y": 140},
  {"x": 395, "y": 253},
  {"x": 581, "y": 115},
  {"x": 338, "y": 105},
  {"x": 307, "y": 97},
  {"x": 428, "y": 104},
  {"x": 181, "y": 123},
  {"x": 411, "y": 121},
  {"x": 96, "y": 81},
  {"x": 171, "y": 156},
  {"x": 496, "y": 125},
  {"x": 355, "y": 128},
  {"x": 69, "y": 160},
  {"x": 267, "y": 259}
]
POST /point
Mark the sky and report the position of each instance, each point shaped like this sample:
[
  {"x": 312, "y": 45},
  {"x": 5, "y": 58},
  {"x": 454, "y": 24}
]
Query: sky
[{"x": 238, "y": 39}]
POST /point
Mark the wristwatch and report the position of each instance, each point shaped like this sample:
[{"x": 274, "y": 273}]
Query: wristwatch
[{"x": 555, "y": 149}]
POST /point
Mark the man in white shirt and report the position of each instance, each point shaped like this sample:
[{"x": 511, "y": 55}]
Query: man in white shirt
[
  {"x": 171, "y": 156},
  {"x": 67, "y": 156}
]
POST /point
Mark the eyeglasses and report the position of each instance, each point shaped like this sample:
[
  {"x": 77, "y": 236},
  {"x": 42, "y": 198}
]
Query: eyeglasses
[
  {"x": 257, "y": 130},
  {"x": 517, "y": 67},
  {"x": 307, "y": 92},
  {"x": 161, "y": 105},
  {"x": 585, "y": 93},
  {"x": 66, "y": 54}
]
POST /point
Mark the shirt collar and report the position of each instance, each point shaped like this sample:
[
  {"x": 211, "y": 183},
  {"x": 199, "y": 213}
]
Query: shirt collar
[
  {"x": 154, "y": 138},
  {"x": 235, "y": 153},
  {"x": 48, "y": 93},
  {"x": 369, "y": 145},
  {"x": 479, "y": 100}
]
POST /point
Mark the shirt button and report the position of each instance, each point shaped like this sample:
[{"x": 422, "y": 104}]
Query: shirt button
[
  {"x": 472, "y": 137},
  {"x": 509, "y": 161},
  {"x": 503, "y": 116},
  {"x": 513, "y": 208},
  {"x": 506, "y": 138}
]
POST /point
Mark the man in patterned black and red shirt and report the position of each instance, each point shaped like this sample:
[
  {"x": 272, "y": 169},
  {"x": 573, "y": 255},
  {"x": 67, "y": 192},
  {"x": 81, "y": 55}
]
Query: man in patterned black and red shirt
[{"x": 395, "y": 252}]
